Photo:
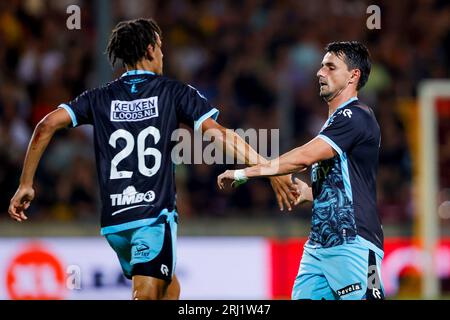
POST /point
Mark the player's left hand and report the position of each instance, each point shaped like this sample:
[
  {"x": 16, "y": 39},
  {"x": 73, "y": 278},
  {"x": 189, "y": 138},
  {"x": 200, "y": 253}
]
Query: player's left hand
[
  {"x": 304, "y": 190},
  {"x": 286, "y": 191}
]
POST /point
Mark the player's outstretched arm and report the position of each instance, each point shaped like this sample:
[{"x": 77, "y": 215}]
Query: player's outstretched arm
[
  {"x": 293, "y": 161},
  {"x": 41, "y": 137},
  {"x": 285, "y": 190}
]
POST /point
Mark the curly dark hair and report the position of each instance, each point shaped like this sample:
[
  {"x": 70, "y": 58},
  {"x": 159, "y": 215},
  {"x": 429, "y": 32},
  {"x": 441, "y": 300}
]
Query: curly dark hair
[
  {"x": 356, "y": 56},
  {"x": 129, "y": 40}
]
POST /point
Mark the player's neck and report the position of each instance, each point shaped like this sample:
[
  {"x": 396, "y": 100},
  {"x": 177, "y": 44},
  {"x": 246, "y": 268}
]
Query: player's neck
[
  {"x": 338, "y": 100},
  {"x": 143, "y": 65}
]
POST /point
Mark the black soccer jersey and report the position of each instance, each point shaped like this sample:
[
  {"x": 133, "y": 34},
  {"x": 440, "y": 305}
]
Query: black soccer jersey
[
  {"x": 344, "y": 187},
  {"x": 134, "y": 118}
]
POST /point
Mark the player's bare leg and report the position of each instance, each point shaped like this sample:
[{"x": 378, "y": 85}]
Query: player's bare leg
[
  {"x": 173, "y": 290},
  {"x": 148, "y": 288}
]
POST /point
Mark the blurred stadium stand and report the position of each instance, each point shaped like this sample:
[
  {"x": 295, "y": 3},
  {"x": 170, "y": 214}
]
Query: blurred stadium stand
[{"x": 255, "y": 60}]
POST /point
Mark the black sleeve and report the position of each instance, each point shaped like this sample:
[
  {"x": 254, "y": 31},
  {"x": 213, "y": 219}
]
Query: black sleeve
[
  {"x": 79, "y": 109},
  {"x": 345, "y": 129},
  {"x": 192, "y": 107}
]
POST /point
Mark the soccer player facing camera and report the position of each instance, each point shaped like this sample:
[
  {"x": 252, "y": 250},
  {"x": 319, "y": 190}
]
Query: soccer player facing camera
[
  {"x": 343, "y": 254},
  {"x": 134, "y": 117}
]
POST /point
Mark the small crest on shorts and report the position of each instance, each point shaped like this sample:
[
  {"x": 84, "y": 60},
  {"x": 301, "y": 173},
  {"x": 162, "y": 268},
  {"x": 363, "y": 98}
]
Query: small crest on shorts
[
  {"x": 142, "y": 247},
  {"x": 142, "y": 250},
  {"x": 164, "y": 270}
]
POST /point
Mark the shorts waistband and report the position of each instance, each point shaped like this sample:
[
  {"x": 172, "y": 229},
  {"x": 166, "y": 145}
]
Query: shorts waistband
[{"x": 164, "y": 214}]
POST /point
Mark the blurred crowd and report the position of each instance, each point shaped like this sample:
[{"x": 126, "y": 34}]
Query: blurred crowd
[{"x": 255, "y": 60}]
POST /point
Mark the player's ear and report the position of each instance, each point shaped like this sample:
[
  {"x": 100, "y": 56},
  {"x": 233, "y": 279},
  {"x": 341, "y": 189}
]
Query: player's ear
[
  {"x": 355, "y": 75},
  {"x": 150, "y": 52}
]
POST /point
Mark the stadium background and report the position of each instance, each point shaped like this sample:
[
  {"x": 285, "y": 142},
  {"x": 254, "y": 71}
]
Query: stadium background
[{"x": 256, "y": 61}]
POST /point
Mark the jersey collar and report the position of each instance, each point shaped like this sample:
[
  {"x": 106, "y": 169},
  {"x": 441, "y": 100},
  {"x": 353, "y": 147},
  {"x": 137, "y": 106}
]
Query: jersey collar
[
  {"x": 340, "y": 107},
  {"x": 136, "y": 72},
  {"x": 347, "y": 102},
  {"x": 343, "y": 105}
]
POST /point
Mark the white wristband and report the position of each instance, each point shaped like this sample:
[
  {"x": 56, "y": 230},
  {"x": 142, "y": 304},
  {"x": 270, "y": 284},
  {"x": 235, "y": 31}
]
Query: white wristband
[{"x": 239, "y": 175}]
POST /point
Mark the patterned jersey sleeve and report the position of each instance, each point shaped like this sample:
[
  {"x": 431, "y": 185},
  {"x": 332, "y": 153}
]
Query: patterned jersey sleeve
[
  {"x": 79, "y": 109},
  {"x": 193, "y": 108},
  {"x": 344, "y": 130}
]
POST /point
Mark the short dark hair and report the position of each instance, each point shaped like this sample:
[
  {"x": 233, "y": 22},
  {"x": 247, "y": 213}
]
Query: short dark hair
[
  {"x": 356, "y": 56},
  {"x": 129, "y": 40}
]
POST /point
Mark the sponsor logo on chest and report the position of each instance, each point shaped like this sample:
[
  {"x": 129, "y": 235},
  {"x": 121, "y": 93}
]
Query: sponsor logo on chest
[{"x": 320, "y": 171}]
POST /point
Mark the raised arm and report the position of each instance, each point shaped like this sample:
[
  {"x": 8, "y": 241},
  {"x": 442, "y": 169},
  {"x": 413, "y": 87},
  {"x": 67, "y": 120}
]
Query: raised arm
[
  {"x": 285, "y": 190},
  {"x": 293, "y": 161},
  {"x": 42, "y": 135}
]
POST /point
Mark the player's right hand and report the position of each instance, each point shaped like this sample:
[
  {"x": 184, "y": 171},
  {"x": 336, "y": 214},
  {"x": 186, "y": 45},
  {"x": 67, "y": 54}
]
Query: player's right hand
[
  {"x": 20, "y": 202},
  {"x": 228, "y": 175}
]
